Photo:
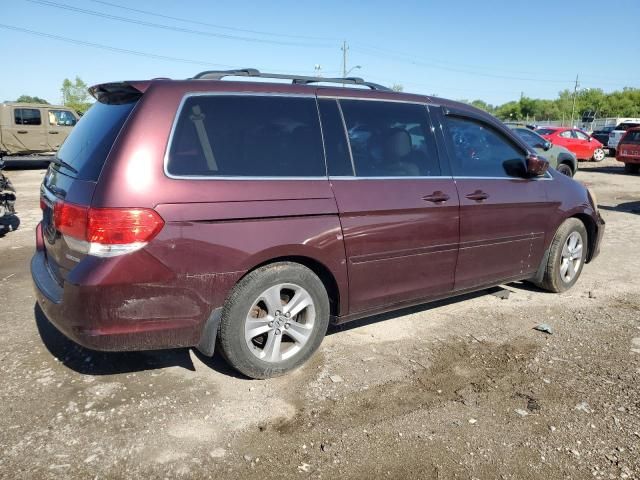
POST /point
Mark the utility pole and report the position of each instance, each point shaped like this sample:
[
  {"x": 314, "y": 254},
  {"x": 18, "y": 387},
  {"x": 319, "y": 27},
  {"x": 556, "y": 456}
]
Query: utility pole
[
  {"x": 575, "y": 94},
  {"x": 344, "y": 58}
]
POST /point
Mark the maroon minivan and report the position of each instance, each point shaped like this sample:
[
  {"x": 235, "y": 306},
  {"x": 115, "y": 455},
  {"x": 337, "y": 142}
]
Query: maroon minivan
[{"x": 182, "y": 213}]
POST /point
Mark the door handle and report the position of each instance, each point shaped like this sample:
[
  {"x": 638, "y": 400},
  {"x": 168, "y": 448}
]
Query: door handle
[
  {"x": 478, "y": 196},
  {"x": 436, "y": 197},
  {"x": 23, "y": 131},
  {"x": 53, "y": 132}
]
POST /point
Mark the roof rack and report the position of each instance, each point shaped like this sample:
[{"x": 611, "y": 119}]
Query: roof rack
[{"x": 295, "y": 79}]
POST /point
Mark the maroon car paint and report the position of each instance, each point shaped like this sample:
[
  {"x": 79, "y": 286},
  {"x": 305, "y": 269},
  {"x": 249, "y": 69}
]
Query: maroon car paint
[{"x": 381, "y": 243}]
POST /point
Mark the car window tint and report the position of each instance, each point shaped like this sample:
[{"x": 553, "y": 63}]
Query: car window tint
[
  {"x": 631, "y": 137},
  {"x": 335, "y": 139},
  {"x": 390, "y": 139},
  {"x": 27, "y": 116},
  {"x": 252, "y": 136},
  {"x": 481, "y": 151},
  {"x": 580, "y": 135},
  {"x": 62, "y": 118},
  {"x": 532, "y": 139}
]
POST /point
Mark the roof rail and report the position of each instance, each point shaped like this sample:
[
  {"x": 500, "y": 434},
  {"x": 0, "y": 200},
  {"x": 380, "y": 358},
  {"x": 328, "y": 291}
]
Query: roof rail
[{"x": 295, "y": 79}]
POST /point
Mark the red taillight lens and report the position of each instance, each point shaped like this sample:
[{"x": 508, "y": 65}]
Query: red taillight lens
[
  {"x": 70, "y": 219},
  {"x": 107, "y": 226},
  {"x": 117, "y": 226}
]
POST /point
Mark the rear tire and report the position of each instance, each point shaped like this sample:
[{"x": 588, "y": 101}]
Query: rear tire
[
  {"x": 567, "y": 255},
  {"x": 631, "y": 167},
  {"x": 598, "y": 155},
  {"x": 565, "y": 169},
  {"x": 274, "y": 320}
]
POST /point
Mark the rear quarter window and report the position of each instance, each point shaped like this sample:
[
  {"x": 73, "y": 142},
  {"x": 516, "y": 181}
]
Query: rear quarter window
[
  {"x": 90, "y": 141},
  {"x": 247, "y": 136}
]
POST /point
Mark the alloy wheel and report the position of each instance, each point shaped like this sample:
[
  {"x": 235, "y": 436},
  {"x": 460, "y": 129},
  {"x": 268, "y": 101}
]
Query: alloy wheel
[
  {"x": 280, "y": 322},
  {"x": 571, "y": 257}
]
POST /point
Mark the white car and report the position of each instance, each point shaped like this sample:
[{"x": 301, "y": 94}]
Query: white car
[{"x": 617, "y": 134}]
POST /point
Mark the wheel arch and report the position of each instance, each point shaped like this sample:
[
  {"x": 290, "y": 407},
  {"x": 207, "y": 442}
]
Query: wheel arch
[
  {"x": 323, "y": 272},
  {"x": 568, "y": 160},
  {"x": 592, "y": 233}
]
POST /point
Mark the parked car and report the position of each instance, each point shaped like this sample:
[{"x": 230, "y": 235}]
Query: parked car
[
  {"x": 602, "y": 135},
  {"x": 617, "y": 134},
  {"x": 575, "y": 140},
  {"x": 251, "y": 214},
  {"x": 559, "y": 157},
  {"x": 629, "y": 150},
  {"x": 27, "y": 129}
]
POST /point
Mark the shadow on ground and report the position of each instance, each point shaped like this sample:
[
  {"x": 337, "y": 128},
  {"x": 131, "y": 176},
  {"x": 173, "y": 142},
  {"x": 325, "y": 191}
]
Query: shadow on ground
[{"x": 626, "y": 207}]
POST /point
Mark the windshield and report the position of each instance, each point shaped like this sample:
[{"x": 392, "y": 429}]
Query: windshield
[{"x": 90, "y": 141}]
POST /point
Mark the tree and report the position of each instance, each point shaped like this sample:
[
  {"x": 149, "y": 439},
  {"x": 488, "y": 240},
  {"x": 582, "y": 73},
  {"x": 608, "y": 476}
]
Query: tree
[
  {"x": 75, "y": 95},
  {"x": 397, "y": 87},
  {"x": 30, "y": 99}
]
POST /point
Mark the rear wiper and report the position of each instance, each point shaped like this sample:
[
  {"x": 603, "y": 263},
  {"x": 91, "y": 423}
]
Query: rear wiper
[{"x": 64, "y": 164}]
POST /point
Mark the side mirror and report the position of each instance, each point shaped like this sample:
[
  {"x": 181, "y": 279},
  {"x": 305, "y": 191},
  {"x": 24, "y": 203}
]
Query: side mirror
[
  {"x": 536, "y": 166},
  {"x": 547, "y": 145}
]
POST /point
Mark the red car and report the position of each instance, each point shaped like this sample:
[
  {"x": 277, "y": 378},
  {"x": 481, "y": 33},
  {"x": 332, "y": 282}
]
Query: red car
[
  {"x": 583, "y": 145},
  {"x": 190, "y": 213},
  {"x": 629, "y": 150}
]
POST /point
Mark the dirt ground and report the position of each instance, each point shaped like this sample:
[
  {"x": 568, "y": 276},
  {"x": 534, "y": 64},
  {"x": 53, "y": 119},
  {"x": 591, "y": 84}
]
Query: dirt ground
[{"x": 459, "y": 389}]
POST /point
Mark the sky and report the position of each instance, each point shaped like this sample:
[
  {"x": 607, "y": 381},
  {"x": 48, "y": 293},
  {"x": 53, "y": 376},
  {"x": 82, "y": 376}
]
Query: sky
[{"x": 494, "y": 50}]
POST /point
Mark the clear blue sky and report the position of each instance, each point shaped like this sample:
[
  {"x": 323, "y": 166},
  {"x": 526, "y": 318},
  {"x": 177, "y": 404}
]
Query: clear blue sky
[{"x": 463, "y": 49}]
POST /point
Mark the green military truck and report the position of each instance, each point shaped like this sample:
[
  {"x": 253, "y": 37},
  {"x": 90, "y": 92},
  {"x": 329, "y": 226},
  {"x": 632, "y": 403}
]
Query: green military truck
[{"x": 30, "y": 131}]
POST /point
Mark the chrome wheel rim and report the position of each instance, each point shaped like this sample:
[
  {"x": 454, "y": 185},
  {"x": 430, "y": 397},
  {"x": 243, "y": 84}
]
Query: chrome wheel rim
[
  {"x": 571, "y": 257},
  {"x": 598, "y": 154},
  {"x": 280, "y": 322}
]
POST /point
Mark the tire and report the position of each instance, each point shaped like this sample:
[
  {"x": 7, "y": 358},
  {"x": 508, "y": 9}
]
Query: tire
[
  {"x": 555, "y": 278},
  {"x": 631, "y": 167},
  {"x": 256, "y": 335},
  {"x": 565, "y": 169},
  {"x": 598, "y": 155}
]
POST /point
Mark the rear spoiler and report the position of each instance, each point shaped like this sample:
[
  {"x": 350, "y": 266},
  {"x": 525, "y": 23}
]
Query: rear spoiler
[{"x": 118, "y": 92}]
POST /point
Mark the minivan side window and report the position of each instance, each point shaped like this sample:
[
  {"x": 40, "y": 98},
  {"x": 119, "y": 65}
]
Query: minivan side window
[
  {"x": 390, "y": 139},
  {"x": 480, "y": 151},
  {"x": 247, "y": 136},
  {"x": 27, "y": 116},
  {"x": 336, "y": 148}
]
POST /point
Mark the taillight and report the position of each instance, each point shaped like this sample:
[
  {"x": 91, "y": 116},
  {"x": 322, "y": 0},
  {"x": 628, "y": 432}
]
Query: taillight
[
  {"x": 119, "y": 226},
  {"x": 106, "y": 231}
]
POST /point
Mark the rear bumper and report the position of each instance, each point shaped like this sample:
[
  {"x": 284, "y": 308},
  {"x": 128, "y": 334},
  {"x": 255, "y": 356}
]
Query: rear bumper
[
  {"x": 102, "y": 314},
  {"x": 625, "y": 159}
]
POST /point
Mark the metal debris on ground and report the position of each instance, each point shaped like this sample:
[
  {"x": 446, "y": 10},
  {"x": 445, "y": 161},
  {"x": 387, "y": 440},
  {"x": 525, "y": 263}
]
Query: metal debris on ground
[{"x": 545, "y": 328}]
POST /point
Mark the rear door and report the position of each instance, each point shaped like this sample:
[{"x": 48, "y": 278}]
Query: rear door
[
  {"x": 25, "y": 132},
  {"x": 503, "y": 215},
  {"x": 398, "y": 205},
  {"x": 60, "y": 123}
]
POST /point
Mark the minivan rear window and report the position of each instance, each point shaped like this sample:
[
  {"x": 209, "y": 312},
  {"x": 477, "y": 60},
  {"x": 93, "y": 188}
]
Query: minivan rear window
[
  {"x": 631, "y": 137},
  {"x": 90, "y": 141},
  {"x": 247, "y": 136}
]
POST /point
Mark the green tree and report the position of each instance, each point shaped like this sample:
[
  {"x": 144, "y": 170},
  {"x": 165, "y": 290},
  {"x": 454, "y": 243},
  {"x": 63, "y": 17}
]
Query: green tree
[
  {"x": 397, "y": 87},
  {"x": 75, "y": 95},
  {"x": 482, "y": 105},
  {"x": 30, "y": 99}
]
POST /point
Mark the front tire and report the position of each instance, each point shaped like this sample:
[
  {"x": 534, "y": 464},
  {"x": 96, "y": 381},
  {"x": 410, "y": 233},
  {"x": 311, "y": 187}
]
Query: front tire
[
  {"x": 567, "y": 256},
  {"x": 598, "y": 155},
  {"x": 565, "y": 169},
  {"x": 274, "y": 320}
]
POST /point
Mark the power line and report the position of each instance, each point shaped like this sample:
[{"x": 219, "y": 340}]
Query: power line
[
  {"x": 212, "y": 25},
  {"x": 114, "y": 49},
  {"x": 167, "y": 27}
]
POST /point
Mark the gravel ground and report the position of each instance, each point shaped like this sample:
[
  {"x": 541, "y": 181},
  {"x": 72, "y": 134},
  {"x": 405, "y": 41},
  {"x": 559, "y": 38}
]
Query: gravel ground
[{"x": 458, "y": 389}]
